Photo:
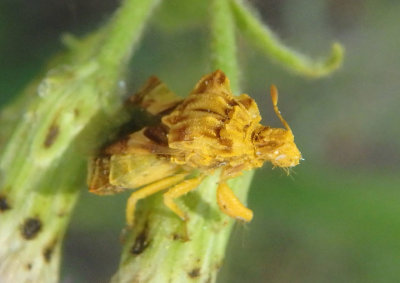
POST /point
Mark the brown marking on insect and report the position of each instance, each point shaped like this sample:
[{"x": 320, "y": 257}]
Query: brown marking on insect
[
  {"x": 48, "y": 251},
  {"x": 228, "y": 143},
  {"x": 179, "y": 119},
  {"x": 141, "y": 241},
  {"x": 120, "y": 146},
  {"x": 208, "y": 112},
  {"x": 214, "y": 80},
  {"x": 194, "y": 273},
  {"x": 168, "y": 110},
  {"x": 158, "y": 134},
  {"x": 76, "y": 112},
  {"x": 182, "y": 133},
  {"x": 29, "y": 266},
  {"x": 247, "y": 102},
  {"x": 98, "y": 174},
  {"x": 4, "y": 205},
  {"x": 30, "y": 228},
  {"x": 52, "y": 135},
  {"x": 209, "y": 134}
]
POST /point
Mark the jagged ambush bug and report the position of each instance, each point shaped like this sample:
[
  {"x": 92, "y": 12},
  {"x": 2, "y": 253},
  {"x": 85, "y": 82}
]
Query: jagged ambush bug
[{"x": 210, "y": 129}]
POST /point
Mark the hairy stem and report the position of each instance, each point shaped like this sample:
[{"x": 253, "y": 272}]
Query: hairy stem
[
  {"x": 223, "y": 42},
  {"x": 267, "y": 42},
  {"x": 42, "y": 165}
]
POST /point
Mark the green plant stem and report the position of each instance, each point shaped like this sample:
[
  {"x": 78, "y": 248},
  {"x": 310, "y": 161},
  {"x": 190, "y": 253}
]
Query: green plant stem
[
  {"x": 223, "y": 45},
  {"x": 42, "y": 165},
  {"x": 156, "y": 249},
  {"x": 268, "y": 43}
]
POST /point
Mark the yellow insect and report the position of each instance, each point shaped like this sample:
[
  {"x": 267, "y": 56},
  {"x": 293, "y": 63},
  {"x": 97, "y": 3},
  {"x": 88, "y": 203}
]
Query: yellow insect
[{"x": 209, "y": 129}]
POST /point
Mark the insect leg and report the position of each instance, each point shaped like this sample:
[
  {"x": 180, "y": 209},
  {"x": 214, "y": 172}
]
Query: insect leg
[
  {"x": 147, "y": 191},
  {"x": 177, "y": 191},
  {"x": 231, "y": 205}
]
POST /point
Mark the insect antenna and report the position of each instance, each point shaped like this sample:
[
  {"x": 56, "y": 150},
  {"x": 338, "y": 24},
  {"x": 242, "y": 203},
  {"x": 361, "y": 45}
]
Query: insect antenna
[{"x": 274, "y": 97}]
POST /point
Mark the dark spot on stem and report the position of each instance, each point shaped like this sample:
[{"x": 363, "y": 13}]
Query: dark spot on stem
[
  {"x": 62, "y": 213},
  {"x": 4, "y": 205},
  {"x": 29, "y": 266},
  {"x": 51, "y": 135},
  {"x": 218, "y": 265},
  {"x": 141, "y": 241},
  {"x": 194, "y": 273},
  {"x": 47, "y": 254},
  {"x": 48, "y": 251},
  {"x": 31, "y": 228}
]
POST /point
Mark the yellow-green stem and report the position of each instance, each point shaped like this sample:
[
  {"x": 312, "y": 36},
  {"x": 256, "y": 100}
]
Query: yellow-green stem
[{"x": 54, "y": 126}]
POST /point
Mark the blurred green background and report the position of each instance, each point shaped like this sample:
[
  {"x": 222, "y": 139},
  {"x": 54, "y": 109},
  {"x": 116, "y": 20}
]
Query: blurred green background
[{"x": 336, "y": 218}]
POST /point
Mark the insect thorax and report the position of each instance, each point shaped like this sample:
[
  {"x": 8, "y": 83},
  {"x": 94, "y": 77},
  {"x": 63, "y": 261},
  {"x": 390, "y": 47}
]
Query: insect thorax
[{"x": 213, "y": 129}]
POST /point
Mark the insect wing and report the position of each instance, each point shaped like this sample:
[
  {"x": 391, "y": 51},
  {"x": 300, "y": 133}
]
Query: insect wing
[
  {"x": 98, "y": 177},
  {"x": 155, "y": 97},
  {"x": 133, "y": 171}
]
